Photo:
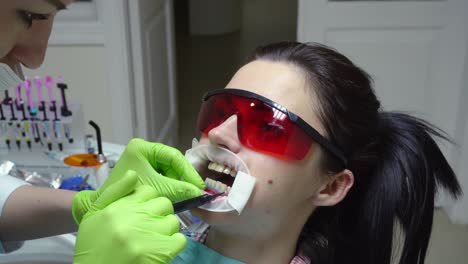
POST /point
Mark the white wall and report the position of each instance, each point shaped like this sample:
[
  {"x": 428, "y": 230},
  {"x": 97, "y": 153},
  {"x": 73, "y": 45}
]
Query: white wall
[
  {"x": 267, "y": 21},
  {"x": 459, "y": 211},
  {"x": 83, "y": 69}
]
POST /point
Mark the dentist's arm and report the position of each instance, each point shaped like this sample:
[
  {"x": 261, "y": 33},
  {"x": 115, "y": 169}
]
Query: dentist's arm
[{"x": 32, "y": 212}]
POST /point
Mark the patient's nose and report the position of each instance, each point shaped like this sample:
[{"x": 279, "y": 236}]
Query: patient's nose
[{"x": 226, "y": 135}]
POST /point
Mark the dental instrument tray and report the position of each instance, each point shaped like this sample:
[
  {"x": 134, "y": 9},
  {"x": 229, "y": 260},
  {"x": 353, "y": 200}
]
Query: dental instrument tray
[{"x": 36, "y": 120}]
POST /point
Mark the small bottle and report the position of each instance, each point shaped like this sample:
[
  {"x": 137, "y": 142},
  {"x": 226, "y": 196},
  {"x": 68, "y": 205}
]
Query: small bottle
[{"x": 89, "y": 144}]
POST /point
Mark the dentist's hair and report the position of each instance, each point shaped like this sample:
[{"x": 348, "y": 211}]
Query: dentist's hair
[{"x": 397, "y": 165}]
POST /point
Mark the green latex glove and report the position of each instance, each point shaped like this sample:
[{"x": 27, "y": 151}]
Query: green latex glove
[
  {"x": 157, "y": 165},
  {"x": 161, "y": 167},
  {"x": 82, "y": 202},
  {"x": 138, "y": 228}
]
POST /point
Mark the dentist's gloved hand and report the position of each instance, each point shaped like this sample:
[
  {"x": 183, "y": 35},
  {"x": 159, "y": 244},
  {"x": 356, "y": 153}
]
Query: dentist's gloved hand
[
  {"x": 138, "y": 228},
  {"x": 161, "y": 167},
  {"x": 157, "y": 165}
]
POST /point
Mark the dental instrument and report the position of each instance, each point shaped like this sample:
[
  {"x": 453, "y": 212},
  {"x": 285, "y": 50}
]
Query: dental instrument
[
  {"x": 194, "y": 202},
  {"x": 7, "y": 137},
  {"x": 16, "y": 134},
  {"x": 64, "y": 109},
  {"x": 35, "y": 126},
  {"x": 18, "y": 143},
  {"x": 23, "y": 111},
  {"x": 27, "y": 132},
  {"x": 57, "y": 134},
  {"x": 9, "y": 101},
  {"x": 28, "y": 87},
  {"x": 49, "y": 83},
  {"x": 47, "y": 134},
  {"x": 44, "y": 111},
  {"x": 100, "y": 157},
  {"x": 2, "y": 115},
  {"x": 18, "y": 96},
  {"x": 53, "y": 108},
  {"x": 7, "y": 142},
  {"x": 66, "y": 128},
  {"x": 38, "y": 84}
]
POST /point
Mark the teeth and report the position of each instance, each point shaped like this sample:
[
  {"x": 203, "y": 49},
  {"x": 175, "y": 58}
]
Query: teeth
[
  {"x": 219, "y": 168},
  {"x": 233, "y": 173},
  {"x": 222, "y": 168},
  {"x": 211, "y": 166},
  {"x": 216, "y": 185}
]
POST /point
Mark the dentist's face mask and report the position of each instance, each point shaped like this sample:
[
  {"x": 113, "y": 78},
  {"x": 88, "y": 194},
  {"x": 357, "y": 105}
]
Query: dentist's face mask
[{"x": 8, "y": 78}]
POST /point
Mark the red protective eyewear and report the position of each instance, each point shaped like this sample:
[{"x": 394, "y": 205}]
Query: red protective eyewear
[{"x": 262, "y": 125}]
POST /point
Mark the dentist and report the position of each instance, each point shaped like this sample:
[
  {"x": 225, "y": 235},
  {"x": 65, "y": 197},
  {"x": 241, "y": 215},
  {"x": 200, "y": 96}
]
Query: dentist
[{"x": 129, "y": 219}]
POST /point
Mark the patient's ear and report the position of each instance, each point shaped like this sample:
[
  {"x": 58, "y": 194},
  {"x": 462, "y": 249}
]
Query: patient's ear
[{"x": 334, "y": 190}]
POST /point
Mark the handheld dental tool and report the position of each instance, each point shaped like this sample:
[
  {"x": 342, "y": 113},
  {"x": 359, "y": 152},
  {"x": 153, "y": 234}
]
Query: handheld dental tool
[
  {"x": 53, "y": 108},
  {"x": 7, "y": 142},
  {"x": 64, "y": 109},
  {"x": 8, "y": 134},
  {"x": 2, "y": 116},
  {"x": 9, "y": 101},
  {"x": 16, "y": 134},
  {"x": 23, "y": 112},
  {"x": 28, "y": 136},
  {"x": 47, "y": 134},
  {"x": 38, "y": 84},
  {"x": 67, "y": 131},
  {"x": 35, "y": 126},
  {"x": 57, "y": 134},
  {"x": 44, "y": 111},
  {"x": 194, "y": 202},
  {"x": 18, "y": 96},
  {"x": 49, "y": 83},
  {"x": 27, "y": 85}
]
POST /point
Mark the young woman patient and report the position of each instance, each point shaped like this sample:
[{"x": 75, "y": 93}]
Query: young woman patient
[{"x": 333, "y": 170}]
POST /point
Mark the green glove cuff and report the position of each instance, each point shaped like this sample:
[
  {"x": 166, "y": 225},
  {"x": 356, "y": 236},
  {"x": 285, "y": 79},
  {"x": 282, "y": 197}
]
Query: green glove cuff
[{"x": 81, "y": 204}]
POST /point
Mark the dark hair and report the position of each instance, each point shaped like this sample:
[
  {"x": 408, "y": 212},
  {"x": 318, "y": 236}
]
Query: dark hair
[{"x": 396, "y": 163}]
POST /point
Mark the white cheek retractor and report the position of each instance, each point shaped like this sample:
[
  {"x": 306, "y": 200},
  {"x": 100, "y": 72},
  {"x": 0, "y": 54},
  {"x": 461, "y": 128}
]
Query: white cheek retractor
[{"x": 243, "y": 184}]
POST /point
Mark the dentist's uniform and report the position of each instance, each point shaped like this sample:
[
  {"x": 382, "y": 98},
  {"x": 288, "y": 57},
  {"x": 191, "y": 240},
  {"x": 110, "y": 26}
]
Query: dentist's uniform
[{"x": 8, "y": 184}]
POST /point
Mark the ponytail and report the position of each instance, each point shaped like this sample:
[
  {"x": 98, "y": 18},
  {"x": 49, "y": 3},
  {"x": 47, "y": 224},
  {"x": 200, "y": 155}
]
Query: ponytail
[
  {"x": 404, "y": 184},
  {"x": 408, "y": 167}
]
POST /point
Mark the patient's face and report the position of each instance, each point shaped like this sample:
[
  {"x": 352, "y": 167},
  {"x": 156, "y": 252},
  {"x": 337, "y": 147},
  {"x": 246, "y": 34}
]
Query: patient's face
[{"x": 283, "y": 187}]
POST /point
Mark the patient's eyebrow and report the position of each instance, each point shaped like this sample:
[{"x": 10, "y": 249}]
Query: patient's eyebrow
[{"x": 57, "y": 3}]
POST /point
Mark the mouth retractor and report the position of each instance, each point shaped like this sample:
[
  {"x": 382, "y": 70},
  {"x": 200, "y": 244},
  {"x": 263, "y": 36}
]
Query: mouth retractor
[{"x": 224, "y": 161}]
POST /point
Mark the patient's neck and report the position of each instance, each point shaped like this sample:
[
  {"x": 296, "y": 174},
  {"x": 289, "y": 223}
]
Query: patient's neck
[{"x": 253, "y": 245}]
